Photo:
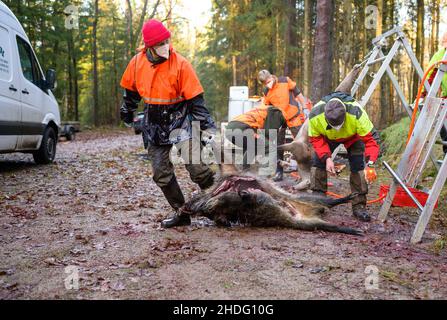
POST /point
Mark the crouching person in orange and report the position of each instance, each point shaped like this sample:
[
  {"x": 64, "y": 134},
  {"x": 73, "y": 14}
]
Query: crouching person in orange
[
  {"x": 243, "y": 130},
  {"x": 282, "y": 93},
  {"x": 173, "y": 98}
]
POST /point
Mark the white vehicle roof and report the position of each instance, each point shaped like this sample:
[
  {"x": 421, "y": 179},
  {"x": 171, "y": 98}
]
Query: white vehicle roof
[{"x": 8, "y": 18}]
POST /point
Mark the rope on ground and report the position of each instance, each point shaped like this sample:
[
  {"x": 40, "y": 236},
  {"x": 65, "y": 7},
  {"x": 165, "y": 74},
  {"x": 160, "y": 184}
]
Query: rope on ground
[{"x": 337, "y": 196}]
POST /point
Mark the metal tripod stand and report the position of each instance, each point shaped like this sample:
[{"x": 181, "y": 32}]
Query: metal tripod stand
[{"x": 427, "y": 128}]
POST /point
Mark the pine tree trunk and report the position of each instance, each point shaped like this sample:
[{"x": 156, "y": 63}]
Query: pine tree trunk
[
  {"x": 307, "y": 46},
  {"x": 129, "y": 30},
  {"x": 234, "y": 64},
  {"x": 115, "y": 106},
  {"x": 278, "y": 44},
  {"x": 70, "y": 98},
  {"x": 438, "y": 20},
  {"x": 374, "y": 106},
  {"x": 323, "y": 52},
  {"x": 435, "y": 14},
  {"x": 233, "y": 41},
  {"x": 293, "y": 57},
  {"x": 288, "y": 34},
  {"x": 346, "y": 20},
  {"x": 392, "y": 95},
  {"x": 95, "y": 67},
  {"x": 433, "y": 27},
  {"x": 385, "y": 103},
  {"x": 342, "y": 31},
  {"x": 73, "y": 77},
  {"x": 420, "y": 43}
]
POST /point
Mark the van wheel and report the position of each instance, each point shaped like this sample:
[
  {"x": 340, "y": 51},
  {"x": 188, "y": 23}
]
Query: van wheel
[
  {"x": 71, "y": 135},
  {"x": 47, "y": 150}
]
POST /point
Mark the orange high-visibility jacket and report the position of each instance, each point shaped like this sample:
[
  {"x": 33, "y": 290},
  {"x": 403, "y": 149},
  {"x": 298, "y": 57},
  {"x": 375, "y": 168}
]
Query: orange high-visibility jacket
[
  {"x": 164, "y": 84},
  {"x": 255, "y": 118},
  {"x": 283, "y": 96}
]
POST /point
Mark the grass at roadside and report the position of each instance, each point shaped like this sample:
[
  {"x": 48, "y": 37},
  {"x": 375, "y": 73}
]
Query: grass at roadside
[{"x": 393, "y": 144}]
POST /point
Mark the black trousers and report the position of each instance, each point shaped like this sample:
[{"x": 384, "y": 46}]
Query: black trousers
[
  {"x": 241, "y": 134},
  {"x": 356, "y": 156},
  {"x": 163, "y": 169},
  {"x": 444, "y": 137}
]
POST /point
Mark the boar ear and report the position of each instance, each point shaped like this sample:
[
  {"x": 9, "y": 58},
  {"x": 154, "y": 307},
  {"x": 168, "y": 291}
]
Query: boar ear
[{"x": 346, "y": 85}]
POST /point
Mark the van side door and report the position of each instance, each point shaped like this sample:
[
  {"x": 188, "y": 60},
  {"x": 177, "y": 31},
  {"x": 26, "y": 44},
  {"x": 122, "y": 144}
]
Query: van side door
[
  {"x": 10, "y": 106},
  {"x": 33, "y": 97}
]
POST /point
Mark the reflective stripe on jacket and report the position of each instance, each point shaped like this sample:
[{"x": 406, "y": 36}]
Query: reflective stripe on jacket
[{"x": 357, "y": 126}]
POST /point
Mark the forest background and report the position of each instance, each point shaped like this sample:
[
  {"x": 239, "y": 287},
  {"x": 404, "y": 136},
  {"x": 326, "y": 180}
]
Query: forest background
[{"x": 315, "y": 42}]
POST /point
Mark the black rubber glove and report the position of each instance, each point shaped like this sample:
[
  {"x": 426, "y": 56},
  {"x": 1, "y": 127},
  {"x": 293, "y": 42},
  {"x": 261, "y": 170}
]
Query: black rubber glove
[
  {"x": 130, "y": 105},
  {"x": 199, "y": 112},
  {"x": 126, "y": 115}
]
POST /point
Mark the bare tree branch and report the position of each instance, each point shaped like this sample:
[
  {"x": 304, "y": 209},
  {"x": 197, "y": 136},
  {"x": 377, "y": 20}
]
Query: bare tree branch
[
  {"x": 168, "y": 15},
  {"x": 142, "y": 18},
  {"x": 154, "y": 11}
]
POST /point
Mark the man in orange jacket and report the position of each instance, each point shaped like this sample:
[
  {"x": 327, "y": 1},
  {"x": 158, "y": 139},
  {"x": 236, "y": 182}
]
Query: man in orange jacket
[
  {"x": 282, "y": 93},
  {"x": 173, "y": 98}
]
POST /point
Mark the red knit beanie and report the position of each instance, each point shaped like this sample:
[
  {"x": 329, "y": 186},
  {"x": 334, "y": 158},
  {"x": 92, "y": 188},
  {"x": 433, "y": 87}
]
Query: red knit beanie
[{"x": 154, "y": 32}]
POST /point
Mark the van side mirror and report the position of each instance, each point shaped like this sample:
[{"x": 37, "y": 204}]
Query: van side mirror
[{"x": 50, "y": 79}]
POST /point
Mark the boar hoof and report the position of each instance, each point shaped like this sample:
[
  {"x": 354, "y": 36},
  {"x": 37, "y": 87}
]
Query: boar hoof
[
  {"x": 176, "y": 221},
  {"x": 279, "y": 176},
  {"x": 303, "y": 185},
  {"x": 361, "y": 214}
]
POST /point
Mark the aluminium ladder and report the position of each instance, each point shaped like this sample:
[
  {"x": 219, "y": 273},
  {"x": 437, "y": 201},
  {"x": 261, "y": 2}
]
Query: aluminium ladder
[
  {"x": 377, "y": 56},
  {"x": 428, "y": 126},
  {"x": 416, "y": 155}
]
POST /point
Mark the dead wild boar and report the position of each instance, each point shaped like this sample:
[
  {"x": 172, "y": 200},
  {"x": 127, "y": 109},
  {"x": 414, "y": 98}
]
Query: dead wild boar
[{"x": 248, "y": 200}]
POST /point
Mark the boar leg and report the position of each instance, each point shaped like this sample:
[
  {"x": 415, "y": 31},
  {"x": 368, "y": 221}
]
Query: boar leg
[
  {"x": 301, "y": 150},
  {"x": 305, "y": 198},
  {"x": 267, "y": 212},
  {"x": 346, "y": 85},
  {"x": 313, "y": 224}
]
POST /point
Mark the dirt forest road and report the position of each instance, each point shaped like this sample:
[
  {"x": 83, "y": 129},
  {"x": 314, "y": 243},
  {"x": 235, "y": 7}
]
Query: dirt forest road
[{"x": 95, "y": 213}]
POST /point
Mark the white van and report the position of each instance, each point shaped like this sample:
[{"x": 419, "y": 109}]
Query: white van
[{"x": 29, "y": 113}]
